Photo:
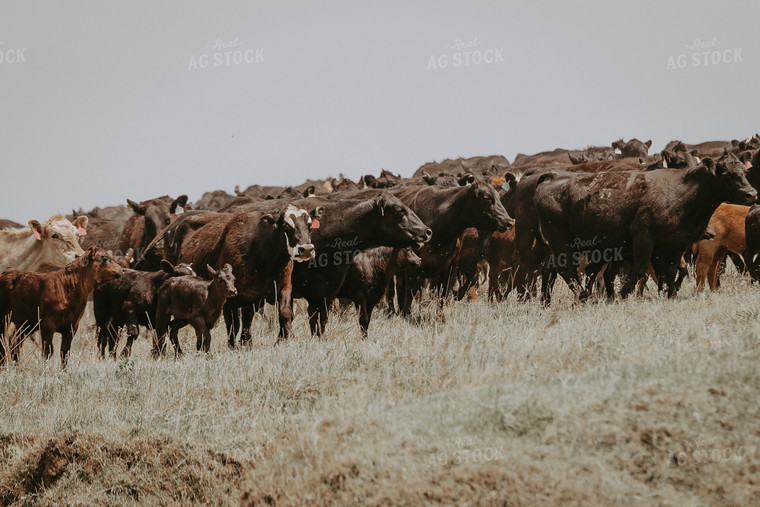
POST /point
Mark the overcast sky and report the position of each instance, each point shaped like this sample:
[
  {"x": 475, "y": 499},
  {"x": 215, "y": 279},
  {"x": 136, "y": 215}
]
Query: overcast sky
[{"x": 104, "y": 101}]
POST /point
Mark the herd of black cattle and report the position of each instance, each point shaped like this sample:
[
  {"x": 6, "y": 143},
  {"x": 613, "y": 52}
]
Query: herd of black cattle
[{"x": 590, "y": 216}]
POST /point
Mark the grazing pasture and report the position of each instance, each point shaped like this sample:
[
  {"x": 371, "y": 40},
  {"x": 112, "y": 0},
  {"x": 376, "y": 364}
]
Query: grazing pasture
[{"x": 648, "y": 401}]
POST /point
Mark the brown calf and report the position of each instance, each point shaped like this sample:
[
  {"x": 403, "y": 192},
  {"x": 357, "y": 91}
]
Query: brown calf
[
  {"x": 195, "y": 301},
  {"x": 727, "y": 223},
  {"x": 55, "y": 300}
]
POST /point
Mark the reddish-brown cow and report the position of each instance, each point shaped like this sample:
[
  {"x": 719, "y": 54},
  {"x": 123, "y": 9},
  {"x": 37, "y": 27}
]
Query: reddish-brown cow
[
  {"x": 727, "y": 223},
  {"x": 55, "y": 301}
]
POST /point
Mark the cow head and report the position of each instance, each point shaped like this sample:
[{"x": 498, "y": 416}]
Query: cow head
[
  {"x": 677, "y": 156},
  {"x": 507, "y": 192},
  {"x": 407, "y": 258},
  {"x": 223, "y": 280},
  {"x": 730, "y": 179},
  {"x": 486, "y": 208},
  {"x": 158, "y": 212},
  {"x": 102, "y": 265},
  {"x": 180, "y": 269},
  {"x": 633, "y": 148},
  {"x": 58, "y": 240},
  {"x": 296, "y": 224},
  {"x": 753, "y": 170},
  {"x": 124, "y": 260},
  {"x": 399, "y": 225}
]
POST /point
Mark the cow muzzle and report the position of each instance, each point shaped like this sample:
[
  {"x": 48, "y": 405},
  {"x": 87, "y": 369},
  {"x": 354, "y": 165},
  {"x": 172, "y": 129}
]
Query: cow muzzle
[
  {"x": 750, "y": 197},
  {"x": 302, "y": 253},
  {"x": 506, "y": 225}
]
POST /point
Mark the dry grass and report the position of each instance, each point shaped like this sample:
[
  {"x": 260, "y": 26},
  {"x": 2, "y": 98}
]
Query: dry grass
[{"x": 647, "y": 401}]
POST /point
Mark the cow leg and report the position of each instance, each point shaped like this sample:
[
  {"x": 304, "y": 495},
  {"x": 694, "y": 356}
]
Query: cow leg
[
  {"x": 113, "y": 340},
  {"x": 67, "y": 334},
  {"x": 738, "y": 261},
  {"x": 246, "y": 319},
  {"x": 365, "y": 315},
  {"x": 494, "y": 286},
  {"x": 683, "y": 272},
  {"x": 202, "y": 336},
  {"x": 405, "y": 294},
  {"x": 174, "y": 327},
  {"x": 671, "y": 270},
  {"x": 548, "y": 277},
  {"x": 285, "y": 302},
  {"x": 103, "y": 339},
  {"x": 317, "y": 318},
  {"x": 2, "y": 344},
  {"x": 705, "y": 258},
  {"x": 714, "y": 268},
  {"x": 46, "y": 337},
  {"x": 133, "y": 331},
  {"x": 231, "y": 321},
  {"x": 642, "y": 255},
  {"x": 162, "y": 327},
  {"x": 390, "y": 296}
]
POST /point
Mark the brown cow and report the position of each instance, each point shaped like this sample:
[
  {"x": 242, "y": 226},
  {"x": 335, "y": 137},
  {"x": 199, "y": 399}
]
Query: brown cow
[
  {"x": 727, "y": 223},
  {"x": 42, "y": 247},
  {"x": 195, "y": 301},
  {"x": 54, "y": 300}
]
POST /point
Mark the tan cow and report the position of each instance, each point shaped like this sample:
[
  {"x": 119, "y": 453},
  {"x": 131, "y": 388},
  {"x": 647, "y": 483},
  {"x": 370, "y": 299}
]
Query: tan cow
[{"x": 42, "y": 247}]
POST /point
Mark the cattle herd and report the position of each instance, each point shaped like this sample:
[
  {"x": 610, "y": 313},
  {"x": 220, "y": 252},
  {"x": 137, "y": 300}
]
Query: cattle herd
[{"x": 604, "y": 219}]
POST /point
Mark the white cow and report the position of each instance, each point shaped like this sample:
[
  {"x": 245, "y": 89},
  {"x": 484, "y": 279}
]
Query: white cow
[{"x": 42, "y": 247}]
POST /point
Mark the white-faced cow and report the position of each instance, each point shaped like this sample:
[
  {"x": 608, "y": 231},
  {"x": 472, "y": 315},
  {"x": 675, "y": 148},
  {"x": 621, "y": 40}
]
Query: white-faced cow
[{"x": 42, "y": 247}]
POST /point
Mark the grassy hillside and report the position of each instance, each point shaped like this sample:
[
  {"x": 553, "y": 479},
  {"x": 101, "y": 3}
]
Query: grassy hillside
[{"x": 645, "y": 401}]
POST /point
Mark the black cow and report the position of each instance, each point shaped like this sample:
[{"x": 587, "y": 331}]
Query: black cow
[
  {"x": 649, "y": 217},
  {"x": 350, "y": 226},
  {"x": 370, "y": 273}
]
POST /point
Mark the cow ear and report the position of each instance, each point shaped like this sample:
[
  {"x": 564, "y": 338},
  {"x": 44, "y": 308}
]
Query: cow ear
[
  {"x": 37, "y": 229},
  {"x": 137, "y": 208},
  {"x": 180, "y": 201},
  {"x": 92, "y": 252},
  {"x": 511, "y": 181},
  {"x": 268, "y": 218},
  {"x": 211, "y": 271},
  {"x": 428, "y": 179},
  {"x": 81, "y": 224},
  {"x": 648, "y": 144},
  {"x": 310, "y": 190},
  {"x": 466, "y": 179},
  {"x": 167, "y": 267},
  {"x": 709, "y": 164},
  {"x": 228, "y": 267}
]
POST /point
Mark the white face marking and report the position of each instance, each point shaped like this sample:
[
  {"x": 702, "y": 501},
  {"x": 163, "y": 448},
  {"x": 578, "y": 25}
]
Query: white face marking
[
  {"x": 618, "y": 152},
  {"x": 289, "y": 221},
  {"x": 665, "y": 163},
  {"x": 699, "y": 160}
]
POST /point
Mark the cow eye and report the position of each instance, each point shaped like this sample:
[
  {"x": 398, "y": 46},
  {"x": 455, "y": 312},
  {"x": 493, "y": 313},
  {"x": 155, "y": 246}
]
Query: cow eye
[{"x": 56, "y": 236}]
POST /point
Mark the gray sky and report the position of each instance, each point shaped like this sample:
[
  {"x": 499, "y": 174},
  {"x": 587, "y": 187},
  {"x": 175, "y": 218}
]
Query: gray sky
[{"x": 111, "y": 100}]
